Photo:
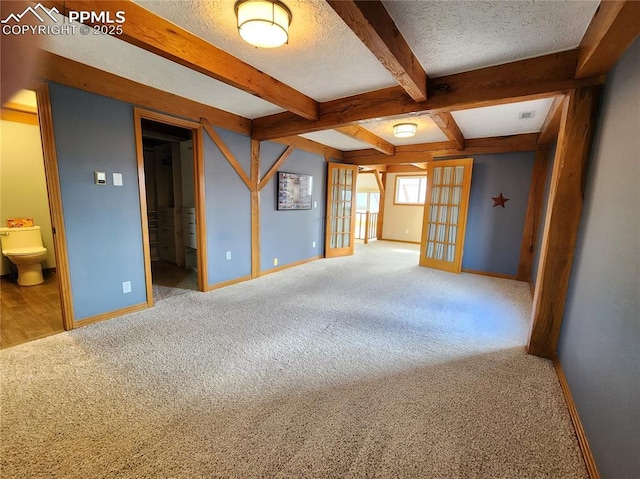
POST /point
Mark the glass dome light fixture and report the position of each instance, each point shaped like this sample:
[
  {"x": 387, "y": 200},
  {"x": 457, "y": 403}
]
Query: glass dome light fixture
[
  {"x": 404, "y": 130},
  {"x": 263, "y": 23}
]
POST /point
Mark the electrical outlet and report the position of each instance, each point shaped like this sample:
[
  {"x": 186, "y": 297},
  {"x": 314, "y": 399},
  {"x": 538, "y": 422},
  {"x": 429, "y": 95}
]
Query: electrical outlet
[
  {"x": 406, "y": 232},
  {"x": 313, "y": 245},
  {"x": 275, "y": 261},
  {"x": 126, "y": 287},
  {"x": 315, "y": 204},
  {"x": 228, "y": 255}
]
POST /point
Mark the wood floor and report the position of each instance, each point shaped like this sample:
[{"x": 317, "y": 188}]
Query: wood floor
[
  {"x": 171, "y": 280},
  {"x": 29, "y": 312},
  {"x": 32, "y": 312}
]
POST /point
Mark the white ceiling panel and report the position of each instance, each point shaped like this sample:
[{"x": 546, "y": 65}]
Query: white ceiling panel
[
  {"x": 455, "y": 36},
  {"x": 427, "y": 131},
  {"x": 120, "y": 58},
  {"x": 503, "y": 120},
  {"x": 337, "y": 140},
  {"x": 324, "y": 59}
]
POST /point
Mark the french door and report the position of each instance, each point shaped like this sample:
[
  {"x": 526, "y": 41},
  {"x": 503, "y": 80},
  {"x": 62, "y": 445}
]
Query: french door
[
  {"x": 445, "y": 214},
  {"x": 341, "y": 208}
]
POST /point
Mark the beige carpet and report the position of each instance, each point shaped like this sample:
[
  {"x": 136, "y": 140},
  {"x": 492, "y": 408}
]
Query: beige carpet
[{"x": 367, "y": 366}]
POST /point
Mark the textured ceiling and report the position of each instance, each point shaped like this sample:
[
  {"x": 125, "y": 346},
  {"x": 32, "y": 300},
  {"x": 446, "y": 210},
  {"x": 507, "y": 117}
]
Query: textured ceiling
[
  {"x": 427, "y": 131},
  {"x": 502, "y": 120},
  {"x": 324, "y": 59},
  {"x": 123, "y": 59},
  {"x": 336, "y": 140},
  {"x": 455, "y": 36}
]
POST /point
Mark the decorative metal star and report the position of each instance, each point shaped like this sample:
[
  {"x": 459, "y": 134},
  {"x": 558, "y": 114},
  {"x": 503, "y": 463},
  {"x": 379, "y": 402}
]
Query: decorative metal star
[{"x": 499, "y": 200}]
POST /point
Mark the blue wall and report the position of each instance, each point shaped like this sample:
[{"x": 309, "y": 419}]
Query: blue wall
[
  {"x": 599, "y": 345},
  {"x": 289, "y": 235},
  {"x": 228, "y": 208},
  {"x": 494, "y": 235},
  {"x": 102, "y": 223}
]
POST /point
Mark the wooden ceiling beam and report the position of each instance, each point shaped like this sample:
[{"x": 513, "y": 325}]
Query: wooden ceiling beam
[
  {"x": 379, "y": 181},
  {"x": 403, "y": 149},
  {"x": 447, "y": 123},
  {"x": 364, "y": 135},
  {"x": 150, "y": 32},
  {"x": 371, "y": 22},
  {"x": 311, "y": 146},
  {"x": 405, "y": 169},
  {"x": 84, "y": 77},
  {"x": 412, "y": 154},
  {"x": 612, "y": 29},
  {"x": 371, "y": 169},
  {"x": 530, "y": 79}
]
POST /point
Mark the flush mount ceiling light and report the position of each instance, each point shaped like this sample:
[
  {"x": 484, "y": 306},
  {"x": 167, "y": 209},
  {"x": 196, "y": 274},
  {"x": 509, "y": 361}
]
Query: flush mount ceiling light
[
  {"x": 263, "y": 23},
  {"x": 404, "y": 130}
]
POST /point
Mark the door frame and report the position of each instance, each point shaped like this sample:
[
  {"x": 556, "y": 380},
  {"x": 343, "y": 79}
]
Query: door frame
[
  {"x": 56, "y": 212},
  {"x": 198, "y": 169}
]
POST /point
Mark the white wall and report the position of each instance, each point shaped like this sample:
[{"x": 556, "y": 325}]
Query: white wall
[
  {"x": 23, "y": 188},
  {"x": 401, "y": 222},
  {"x": 367, "y": 183}
]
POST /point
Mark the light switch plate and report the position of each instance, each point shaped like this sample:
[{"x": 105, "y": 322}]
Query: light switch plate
[
  {"x": 100, "y": 177},
  {"x": 117, "y": 179}
]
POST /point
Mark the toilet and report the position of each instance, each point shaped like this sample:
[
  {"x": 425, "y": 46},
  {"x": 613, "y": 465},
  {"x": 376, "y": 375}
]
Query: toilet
[{"x": 23, "y": 247}]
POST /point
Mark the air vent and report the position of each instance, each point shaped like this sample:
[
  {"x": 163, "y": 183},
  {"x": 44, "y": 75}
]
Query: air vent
[{"x": 526, "y": 115}]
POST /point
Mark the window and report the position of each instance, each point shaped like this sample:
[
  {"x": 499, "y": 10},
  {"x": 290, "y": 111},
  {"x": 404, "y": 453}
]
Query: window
[
  {"x": 410, "y": 190},
  {"x": 368, "y": 202}
]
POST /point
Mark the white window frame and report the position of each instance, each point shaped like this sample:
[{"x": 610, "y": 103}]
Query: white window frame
[{"x": 422, "y": 187}]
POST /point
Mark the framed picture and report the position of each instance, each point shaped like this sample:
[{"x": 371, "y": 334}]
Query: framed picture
[{"x": 294, "y": 191}]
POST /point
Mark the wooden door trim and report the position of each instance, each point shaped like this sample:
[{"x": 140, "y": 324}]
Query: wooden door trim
[
  {"x": 54, "y": 193},
  {"x": 198, "y": 152}
]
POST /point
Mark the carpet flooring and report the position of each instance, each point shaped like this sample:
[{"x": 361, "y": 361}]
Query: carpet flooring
[{"x": 365, "y": 366}]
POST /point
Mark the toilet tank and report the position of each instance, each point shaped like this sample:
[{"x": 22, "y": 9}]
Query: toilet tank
[{"x": 28, "y": 237}]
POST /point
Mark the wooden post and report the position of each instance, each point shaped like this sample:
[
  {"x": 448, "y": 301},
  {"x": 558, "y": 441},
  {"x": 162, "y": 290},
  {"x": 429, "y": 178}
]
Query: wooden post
[
  {"x": 255, "y": 209},
  {"x": 366, "y": 228},
  {"x": 563, "y": 218},
  {"x": 383, "y": 182},
  {"x": 534, "y": 209}
]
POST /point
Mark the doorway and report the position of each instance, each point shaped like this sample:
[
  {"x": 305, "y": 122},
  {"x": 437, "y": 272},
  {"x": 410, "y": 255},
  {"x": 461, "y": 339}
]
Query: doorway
[
  {"x": 169, "y": 163},
  {"x": 26, "y": 312}
]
